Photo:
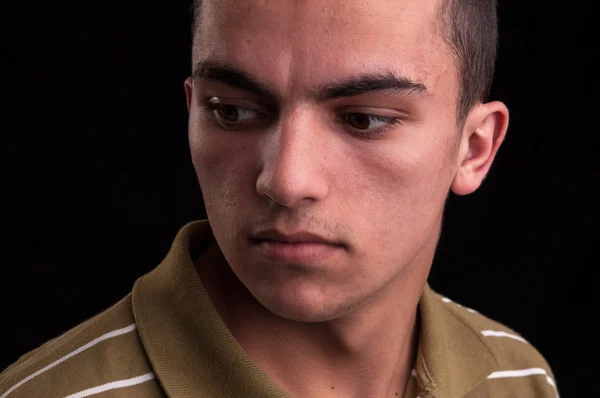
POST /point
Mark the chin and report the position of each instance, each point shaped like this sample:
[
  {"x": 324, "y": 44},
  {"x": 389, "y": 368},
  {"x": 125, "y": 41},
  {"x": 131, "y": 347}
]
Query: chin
[
  {"x": 298, "y": 313},
  {"x": 301, "y": 301}
]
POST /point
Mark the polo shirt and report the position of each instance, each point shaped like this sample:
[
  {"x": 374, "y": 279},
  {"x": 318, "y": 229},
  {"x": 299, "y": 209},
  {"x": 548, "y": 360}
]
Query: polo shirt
[{"x": 166, "y": 338}]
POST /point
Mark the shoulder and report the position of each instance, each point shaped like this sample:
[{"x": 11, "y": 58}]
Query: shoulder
[
  {"x": 522, "y": 369},
  {"x": 101, "y": 354}
]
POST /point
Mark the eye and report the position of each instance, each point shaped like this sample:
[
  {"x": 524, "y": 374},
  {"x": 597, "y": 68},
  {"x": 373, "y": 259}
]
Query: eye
[
  {"x": 232, "y": 113},
  {"x": 368, "y": 125},
  {"x": 361, "y": 121},
  {"x": 228, "y": 116}
]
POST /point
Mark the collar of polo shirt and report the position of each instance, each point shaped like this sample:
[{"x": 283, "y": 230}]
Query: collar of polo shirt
[{"x": 191, "y": 349}]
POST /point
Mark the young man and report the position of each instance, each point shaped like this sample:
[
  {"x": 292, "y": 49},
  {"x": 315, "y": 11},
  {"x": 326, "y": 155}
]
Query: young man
[{"x": 326, "y": 136}]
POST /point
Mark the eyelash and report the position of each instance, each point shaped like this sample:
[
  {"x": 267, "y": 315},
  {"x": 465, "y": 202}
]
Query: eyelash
[
  {"x": 212, "y": 107},
  {"x": 389, "y": 121}
]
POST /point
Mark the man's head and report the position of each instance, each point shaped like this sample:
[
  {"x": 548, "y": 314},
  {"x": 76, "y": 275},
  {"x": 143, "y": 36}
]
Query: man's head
[
  {"x": 339, "y": 118},
  {"x": 470, "y": 29}
]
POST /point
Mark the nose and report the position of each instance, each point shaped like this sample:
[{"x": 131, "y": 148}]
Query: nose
[{"x": 293, "y": 158}]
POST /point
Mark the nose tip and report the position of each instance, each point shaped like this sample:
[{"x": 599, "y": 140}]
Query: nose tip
[{"x": 293, "y": 170}]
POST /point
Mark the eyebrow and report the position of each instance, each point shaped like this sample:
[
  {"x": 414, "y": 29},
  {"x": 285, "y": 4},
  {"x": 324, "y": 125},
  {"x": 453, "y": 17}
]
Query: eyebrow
[
  {"x": 350, "y": 87},
  {"x": 214, "y": 72},
  {"x": 368, "y": 83}
]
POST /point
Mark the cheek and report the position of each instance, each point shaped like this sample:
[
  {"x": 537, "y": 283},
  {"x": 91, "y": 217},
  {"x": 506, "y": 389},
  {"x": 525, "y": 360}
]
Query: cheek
[
  {"x": 217, "y": 163},
  {"x": 215, "y": 153},
  {"x": 403, "y": 189}
]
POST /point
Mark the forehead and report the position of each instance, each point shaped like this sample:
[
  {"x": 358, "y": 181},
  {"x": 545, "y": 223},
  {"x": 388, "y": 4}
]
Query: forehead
[{"x": 295, "y": 44}]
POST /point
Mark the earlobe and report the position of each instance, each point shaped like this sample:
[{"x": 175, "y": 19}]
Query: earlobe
[
  {"x": 485, "y": 130},
  {"x": 188, "y": 92}
]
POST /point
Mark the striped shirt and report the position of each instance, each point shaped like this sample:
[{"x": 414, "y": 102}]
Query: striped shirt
[{"x": 166, "y": 339}]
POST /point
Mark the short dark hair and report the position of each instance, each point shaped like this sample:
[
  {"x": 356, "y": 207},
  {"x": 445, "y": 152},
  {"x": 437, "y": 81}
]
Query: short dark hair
[{"x": 470, "y": 29}]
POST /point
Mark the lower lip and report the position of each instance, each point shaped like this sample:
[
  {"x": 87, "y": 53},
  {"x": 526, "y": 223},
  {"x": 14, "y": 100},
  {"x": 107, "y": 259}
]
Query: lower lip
[{"x": 296, "y": 252}]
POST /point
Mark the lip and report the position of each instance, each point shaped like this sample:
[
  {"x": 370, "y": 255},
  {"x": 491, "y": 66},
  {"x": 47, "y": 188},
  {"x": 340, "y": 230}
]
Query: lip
[
  {"x": 297, "y": 247},
  {"x": 298, "y": 253},
  {"x": 296, "y": 237}
]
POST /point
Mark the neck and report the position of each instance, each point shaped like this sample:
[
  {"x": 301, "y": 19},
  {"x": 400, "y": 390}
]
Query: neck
[{"x": 369, "y": 352}]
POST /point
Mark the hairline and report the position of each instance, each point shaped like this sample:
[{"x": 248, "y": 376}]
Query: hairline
[{"x": 442, "y": 27}]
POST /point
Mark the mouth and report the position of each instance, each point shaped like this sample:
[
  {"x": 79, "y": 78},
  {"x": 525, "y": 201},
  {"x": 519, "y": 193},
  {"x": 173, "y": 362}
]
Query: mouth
[
  {"x": 274, "y": 235},
  {"x": 295, "y": 252}
]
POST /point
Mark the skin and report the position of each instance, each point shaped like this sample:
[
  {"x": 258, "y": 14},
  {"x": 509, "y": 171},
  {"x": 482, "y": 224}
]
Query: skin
[{"x": 347, "y": 324}]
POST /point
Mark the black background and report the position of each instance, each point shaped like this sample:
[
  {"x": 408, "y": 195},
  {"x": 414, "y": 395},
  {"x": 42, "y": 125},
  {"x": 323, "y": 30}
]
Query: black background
[{"x": 97, "y": 177}]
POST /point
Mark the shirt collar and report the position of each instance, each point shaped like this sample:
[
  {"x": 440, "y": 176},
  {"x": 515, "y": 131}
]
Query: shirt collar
[
  {"x": 192, "y": 350},
  {"x": 188, "y": 345},
  {"x": 452, "y": 356}
]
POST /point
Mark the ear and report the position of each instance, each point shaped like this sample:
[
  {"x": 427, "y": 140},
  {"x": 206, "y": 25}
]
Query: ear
[
  {"x": 188, "y": 91},
  {"x": 484, "y": 131}
]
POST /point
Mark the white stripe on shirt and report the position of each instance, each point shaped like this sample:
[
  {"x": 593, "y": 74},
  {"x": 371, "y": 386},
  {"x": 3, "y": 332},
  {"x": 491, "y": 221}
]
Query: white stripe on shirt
[
  {"x": 113, "y": 385},
  {"x": 522, "y": 373},
  {"x": 495, "y": 333},
  {"x": 92, "y": 343}
]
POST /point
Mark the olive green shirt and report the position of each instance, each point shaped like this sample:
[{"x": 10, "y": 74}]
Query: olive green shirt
[{"x": 166, "y": 339}]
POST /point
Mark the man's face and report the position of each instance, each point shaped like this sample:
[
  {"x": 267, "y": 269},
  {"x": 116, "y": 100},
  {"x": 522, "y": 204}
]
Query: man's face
[{"x": 368, "y": 165}]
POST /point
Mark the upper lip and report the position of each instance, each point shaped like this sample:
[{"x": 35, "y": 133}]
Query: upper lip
[{"x": 296, "y": 237}]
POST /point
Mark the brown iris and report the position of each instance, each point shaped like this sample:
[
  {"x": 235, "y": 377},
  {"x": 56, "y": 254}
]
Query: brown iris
[
  {"x": 228, "y": 112},
  {"x": 358, "y": 121}
]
